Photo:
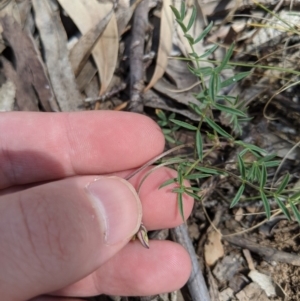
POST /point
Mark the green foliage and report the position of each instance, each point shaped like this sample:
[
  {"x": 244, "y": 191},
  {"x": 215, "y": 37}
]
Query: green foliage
[
  {"x": 253, "y": 163},
  {"x": 168, "y": 128},
  {"x": 237, "y": 196},
  {"x": 199, "y": 145}
]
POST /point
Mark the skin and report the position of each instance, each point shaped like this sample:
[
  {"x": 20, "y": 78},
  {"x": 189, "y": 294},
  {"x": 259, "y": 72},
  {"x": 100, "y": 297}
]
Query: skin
[{"x": 50, "y": 156}]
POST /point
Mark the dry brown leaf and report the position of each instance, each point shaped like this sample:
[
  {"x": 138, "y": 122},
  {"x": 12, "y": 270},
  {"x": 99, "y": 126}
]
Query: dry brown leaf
[
  {"x": 179, "y": 75},
  {"x": 239, "y": 214},
  {"x": 264, "y": 281},
  {"x": 226, "y": 294},
  {"x": 213, "y": 248},
  {"x": 29, "y": 69},
  {"x": 218, "y": 7},
  {"x": 86, "y": 75},
  {"x": 24, "y": 10},
  {"x": 252, "y": 292},
  {"x": 157, "y": 101},
  {"x": 25, "y": 98},
  {"x": 165, "y": 43},
  {"x": 54, "y": 40},
  {"x": 81, "y": 51},
  {"x": 85, "y": 14},
  {"x": 165, "y": 88},
  {"x": 124, "y": 14},
  {"x": 8, "y": 8},
  {"x": 7, "y": 96},
  {"x": 213, "y": 286}
]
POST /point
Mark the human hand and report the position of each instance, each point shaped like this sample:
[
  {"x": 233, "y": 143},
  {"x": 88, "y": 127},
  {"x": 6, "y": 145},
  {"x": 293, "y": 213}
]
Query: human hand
[{"x": 56, "y": 236}]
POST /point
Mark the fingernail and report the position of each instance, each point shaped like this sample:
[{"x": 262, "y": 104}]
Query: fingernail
[{"x": 118, "y": 208}]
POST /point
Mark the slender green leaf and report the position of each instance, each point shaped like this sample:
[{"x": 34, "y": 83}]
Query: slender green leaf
[
  {"x": 204, "y": 33},
  {"x": 236, "y": 125},
  {"x": 209, "y": 170},
  {"x": 182, "y": 11},
  {"x": 233, "y": 100},
  {"x": 196, "y": 109},
  {"x": 166, "y": 131},
  {"x": 283, "y": 184},
  {"x": 243, "y": 152},
  {"x": 234, "y": 79},
  {"x": 213, "y": 86},
  {"x": 161, "y": 114},
  {"x": 295, "y": 211},
  {"x": 209, "y": 51},
  {"x": 230, "y": 110},
  {"x": 162, "y": 123},
  {"x": 173, "y": 160},
  {"x": 195, "y": 176},
  {"x": 218, "y": 83},
  {"x": 170, "y": 139},
  {"x": 255, "y": 154},
  {"x": 168, "y": 182},
  {"x": 180, "y": 177},
  {"x": 172, "y": 116},
  {"x": 255, "y": 148},
  {"x": 210, "y": 136},
  {"x": 204, "y": 71},
  {"x": 187, "y": 163},
  {"x": 257, "y": 173},
  {"x": 192, "y": 19},
  {"x": 181, "y": 24},
  {"x": 295, "y": 196},
  {"x": 237, "y": 196},
  {"x": 180, "y": 205},
  {"x": 267, "y": 158},
  {"x": 217, "y": 128},
  {"x": 251, "y": 174},
  {"x": 175, "y": 12},
  {"x": 250, "y": 146},
  {"x": 184, "y": 124},
  {"x": 282, "y": 207},
  {"x": 175, "y": 127},
  {"x": 193, "y": 70},
  {"x": 272, "y": 163},
  {"x": 194, "y": 55},
  {"x": 199, "y": 145},
  {"x": 190, "y": 38},
  {"x": 241, "y": 167},
  {"x": 264, "y": 175},
  {"x": 266, "y": 204},
  {"x": 225, "y": 59},
  {"x": 193, "y": 195},
  {"x": 178, "y": 190}
]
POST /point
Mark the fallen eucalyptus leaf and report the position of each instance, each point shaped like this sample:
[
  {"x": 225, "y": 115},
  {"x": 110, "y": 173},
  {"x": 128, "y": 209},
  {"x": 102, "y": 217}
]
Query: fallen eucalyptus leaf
[
  {"x": 85, "y": 14},
  {"x": 165, "y": 43}
]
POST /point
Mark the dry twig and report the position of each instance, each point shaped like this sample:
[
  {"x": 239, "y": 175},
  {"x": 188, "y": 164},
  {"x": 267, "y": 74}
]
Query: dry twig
[
  {"x": 140, "y": 23},
  {"x": 269, "y": 254},
  {"x": 196, "y": 283}
]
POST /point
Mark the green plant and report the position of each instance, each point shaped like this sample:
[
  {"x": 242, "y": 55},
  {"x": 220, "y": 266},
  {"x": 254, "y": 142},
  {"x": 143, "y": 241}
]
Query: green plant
[
  {"x": 252, "y": 174},
  {"x": 168, "y": 128}
]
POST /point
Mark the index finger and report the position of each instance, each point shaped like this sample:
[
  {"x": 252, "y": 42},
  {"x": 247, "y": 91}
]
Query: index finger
[{"x": 38, "y": 147}]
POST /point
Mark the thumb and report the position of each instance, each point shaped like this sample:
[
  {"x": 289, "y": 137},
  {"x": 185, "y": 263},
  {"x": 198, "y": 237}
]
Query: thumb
[{"x": 54, "y": 234}]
